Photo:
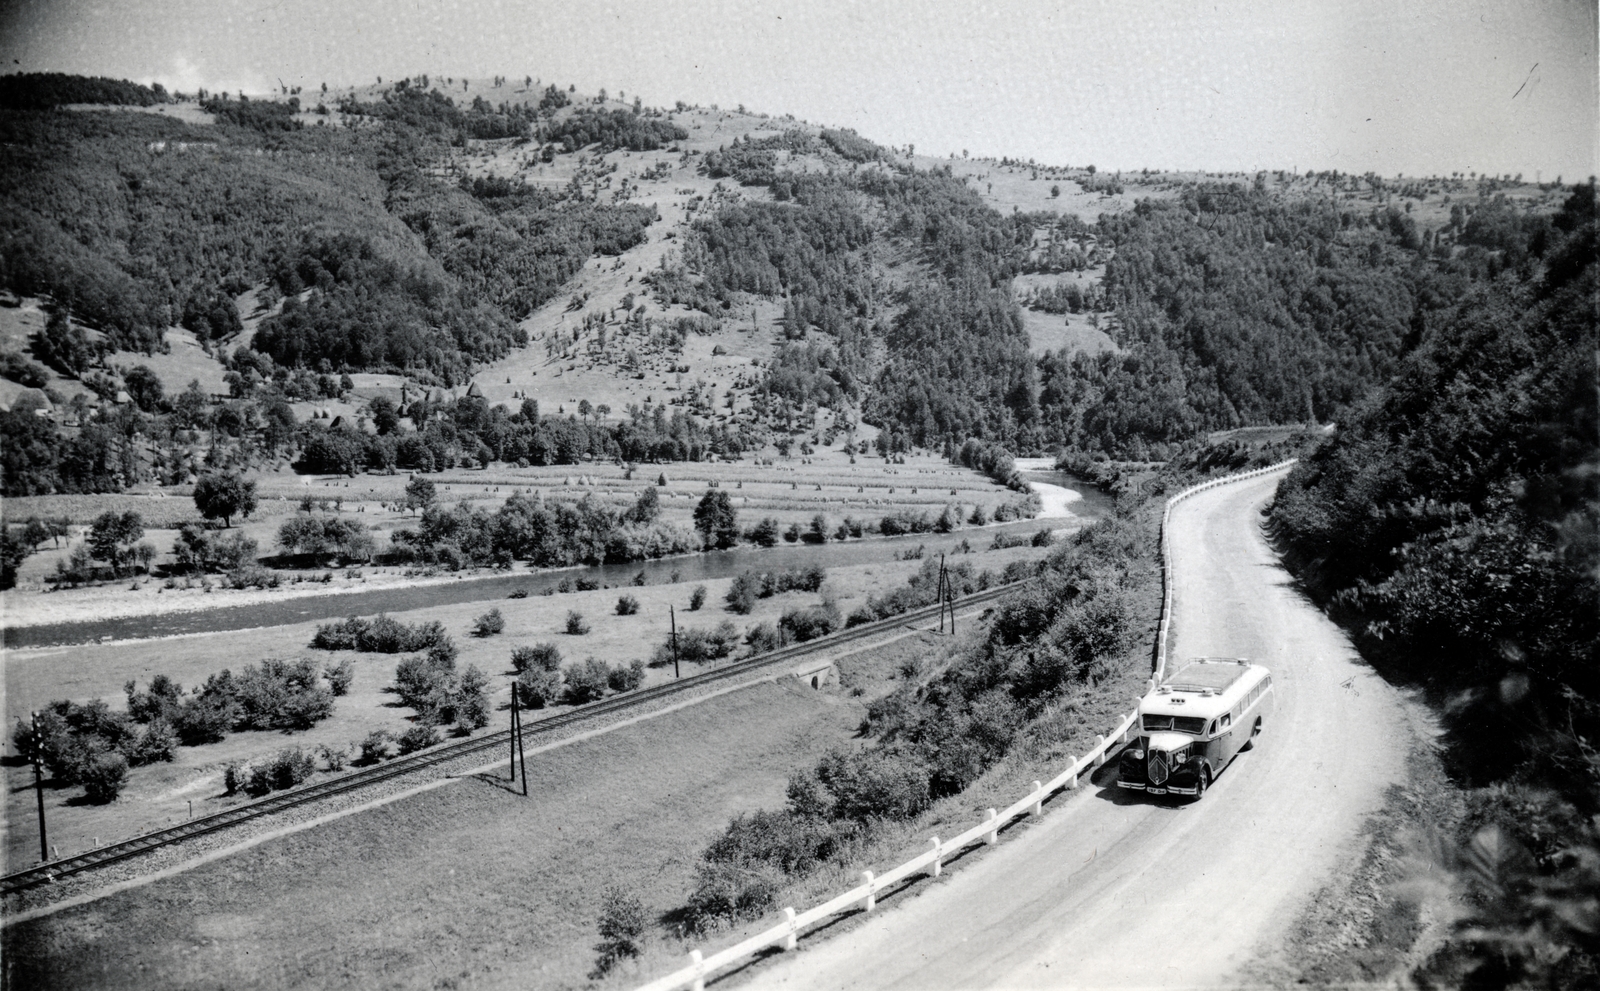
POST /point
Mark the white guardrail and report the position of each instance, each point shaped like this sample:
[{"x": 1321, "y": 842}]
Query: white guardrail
[{"x": 987, "y": 832}]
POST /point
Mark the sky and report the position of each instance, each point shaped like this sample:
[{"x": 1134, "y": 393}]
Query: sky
[{"x": 1412, "y": 87}]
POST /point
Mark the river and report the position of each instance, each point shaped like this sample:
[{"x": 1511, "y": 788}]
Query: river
[{"x": 1070, "y": 501}]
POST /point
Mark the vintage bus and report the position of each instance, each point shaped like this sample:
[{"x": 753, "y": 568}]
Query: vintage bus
[{"x": 1194, "y": 723}]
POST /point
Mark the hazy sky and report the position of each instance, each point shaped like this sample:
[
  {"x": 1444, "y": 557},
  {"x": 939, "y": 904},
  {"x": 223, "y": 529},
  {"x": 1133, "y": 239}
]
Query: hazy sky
[{"x": 1408, "y": 86}]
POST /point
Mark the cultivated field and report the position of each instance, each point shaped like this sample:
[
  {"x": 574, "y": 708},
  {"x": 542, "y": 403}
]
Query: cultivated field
[{"x": 160, "y": 794}]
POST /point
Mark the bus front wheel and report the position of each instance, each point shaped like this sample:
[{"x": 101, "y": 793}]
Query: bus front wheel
[
  {"x": 1255, "y": 731},
  {"x": 1200, "y": 783}
]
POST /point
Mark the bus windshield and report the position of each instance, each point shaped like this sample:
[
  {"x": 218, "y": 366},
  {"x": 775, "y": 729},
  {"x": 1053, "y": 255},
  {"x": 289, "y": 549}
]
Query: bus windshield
[{"x": 1193, "y": 725}]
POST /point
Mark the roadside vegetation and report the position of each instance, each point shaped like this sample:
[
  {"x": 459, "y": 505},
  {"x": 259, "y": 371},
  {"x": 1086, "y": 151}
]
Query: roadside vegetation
[{"x": 1450, "y": 526}]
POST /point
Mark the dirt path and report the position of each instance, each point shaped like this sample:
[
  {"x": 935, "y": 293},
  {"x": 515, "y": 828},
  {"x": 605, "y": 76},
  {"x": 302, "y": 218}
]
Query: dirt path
[{"x": 1116, "y": 890}]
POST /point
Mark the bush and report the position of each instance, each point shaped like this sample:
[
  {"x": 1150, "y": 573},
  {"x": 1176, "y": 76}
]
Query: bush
[
  {"x": 810, "y": 622},
  {"x": 103, "y": 777},
  {"x": 234, "y": 777},
  {"x": 587, "y": 682},
  {"x": 1044, "y": 538},
  {"x": 383, "y": 635},
  {"x": 699, "y": 645},
  {"x": 419, "y": 737},
  {"x": 697, "y": 598},
  {"x": 627, "y": 605},
  {"x": 537, "y": 687},
  {"x": 285, "y": 769},
  {"x": 336, "y": 759},
  {"x": 541, "y": 656},
  {"x": 623, "y": 921},
  {"x": 376, "y": 746},
  {"x": 763, "y": 637},
  {"x": 489, "y": 624},
  {"x": 279, "y": 694},
  {"x": 626, "y": 678},
  {"x": 471, "y": 700},
  {"x": 340, "y": 676},
  {"x": 575, "y": 624},
  {"x": 875, "y": 784},
  {"x": 742, "y": 594},
  {"x": 730, "y": 893}
]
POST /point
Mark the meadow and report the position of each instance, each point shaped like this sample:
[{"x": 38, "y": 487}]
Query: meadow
[{"x": 160, "y": 794}]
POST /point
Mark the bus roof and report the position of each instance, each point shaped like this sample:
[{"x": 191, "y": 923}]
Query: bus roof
[
  {"x": 1214, "y": 673},
  {"x": 1204, "y": 687}
]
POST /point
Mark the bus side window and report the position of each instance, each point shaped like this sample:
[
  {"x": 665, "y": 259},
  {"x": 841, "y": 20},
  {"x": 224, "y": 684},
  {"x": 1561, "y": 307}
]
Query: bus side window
[{"x": 1226, "y": 721}]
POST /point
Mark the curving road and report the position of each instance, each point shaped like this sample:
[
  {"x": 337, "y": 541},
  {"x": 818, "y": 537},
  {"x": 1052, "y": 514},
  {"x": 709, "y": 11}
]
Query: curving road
[{"x": 1112, "y": 890}]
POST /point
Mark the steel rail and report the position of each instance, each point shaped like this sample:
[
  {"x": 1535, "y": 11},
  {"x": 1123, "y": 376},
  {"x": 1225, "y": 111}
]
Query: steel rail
[{"x": 422, "y": 759}]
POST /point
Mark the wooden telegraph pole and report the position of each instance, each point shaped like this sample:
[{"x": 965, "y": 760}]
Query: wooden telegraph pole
[
  {"x": 673, "y": 615},
  {"x": 516, "y": 743},
  {"x": 38, "y": 789}
]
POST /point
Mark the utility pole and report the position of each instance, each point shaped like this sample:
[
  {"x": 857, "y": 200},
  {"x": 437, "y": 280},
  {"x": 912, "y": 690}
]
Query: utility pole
[
  {"x": 673, "y": 616},
  {"x": 515, "y": 725},
  {"x": 941, "y": 593},
  {"x": 38, "y": 789}
]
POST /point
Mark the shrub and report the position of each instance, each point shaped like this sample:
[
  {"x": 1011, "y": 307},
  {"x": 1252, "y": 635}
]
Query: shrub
[
  {"x": 763, "y": 637},
  {"x": 489, "y": 624},
  {"x": 376, "y": 746},
  {"x": 727, "y": 893},
  {"x": 575, "y": 624},
  {"x": 765, "y": 533},
  {"x": 471, "y": 699},
  {"x": 699, "y": 645},
  {"x": 340, "y": 676},
  {"x": 623, "y": 921},
  {"x": 742, "y": 594},
  {"x": 419, "y": 737},
  {"x": 336, "y": 759},
  {"x": 587, "y": 682},
  {"x": 626, "y": 678},
  {"x": 538, "y": 687},
  {"x": 810, "y": 622},
  {"x": 1044, "y": 538},
  {"x": 290, "y": 766},
  {"x": 875, "y": 784},
  {"x": 541, "y": 656},
  {"x": 103, "y": 777},
  {"x": 627, "y": 605},
  {"x": 588, "y": 585},
  {"x": 234, "y": 777},
  {"x": 281, "y": 694},
  {"x": 417, "y": 679},
  {"x": 697, "y": 598}
]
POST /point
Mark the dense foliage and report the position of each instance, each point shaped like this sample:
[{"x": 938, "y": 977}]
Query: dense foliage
[{"x": 1452, "y": 526}]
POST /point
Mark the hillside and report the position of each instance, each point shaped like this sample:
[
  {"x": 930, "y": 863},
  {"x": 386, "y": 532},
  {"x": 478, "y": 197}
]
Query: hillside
[{"x": 740, "y": 285}]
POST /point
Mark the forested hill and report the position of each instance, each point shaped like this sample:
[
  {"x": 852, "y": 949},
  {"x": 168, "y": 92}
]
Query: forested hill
[
  {"x": 423, "y": 228},
  {"x": 134, "y": 222},
  {"x": 1452, "y": 526}
]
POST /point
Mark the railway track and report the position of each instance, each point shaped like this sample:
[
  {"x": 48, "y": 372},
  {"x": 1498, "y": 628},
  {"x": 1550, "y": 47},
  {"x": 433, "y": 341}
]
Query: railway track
[{"x": 411, "y": 763}]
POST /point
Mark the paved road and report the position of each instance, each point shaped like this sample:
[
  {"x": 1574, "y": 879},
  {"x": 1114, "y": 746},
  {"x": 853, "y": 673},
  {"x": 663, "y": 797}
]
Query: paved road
[{"x": 1113, "y": 890}]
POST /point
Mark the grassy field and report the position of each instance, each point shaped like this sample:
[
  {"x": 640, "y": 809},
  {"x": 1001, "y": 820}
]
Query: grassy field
[
  {"x": 160, "y": 794},
  {"x": 793, "y": 490},
  {"x": 469, "y": 885}
]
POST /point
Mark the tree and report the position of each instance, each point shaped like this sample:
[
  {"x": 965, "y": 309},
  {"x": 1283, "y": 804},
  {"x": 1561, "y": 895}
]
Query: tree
[
  {"x": 224, "y": 495},
  {"x": 716, "y": 519},
  {"x": 419, "y": 494},
  {"x": 145, "y": 389},
  {"x": 112, "y": 537},
  {"x": 384, "y": 415}
]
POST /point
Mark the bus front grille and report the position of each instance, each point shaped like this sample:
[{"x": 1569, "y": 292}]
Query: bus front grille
[{"x": 1158, "y": 767}]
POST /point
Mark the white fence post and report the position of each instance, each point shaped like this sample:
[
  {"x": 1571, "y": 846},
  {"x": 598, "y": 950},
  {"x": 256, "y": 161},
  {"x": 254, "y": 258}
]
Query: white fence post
[
  {"x": 1038, "y": 798},
  {"x": 938, "y": 864},
  {"x": 993, "y": 819},
  {"x": 1072, "y": 782},
  {"x": 790, "y": 940},
  {"x": 698, "y": 961},
  {"x": 872, "y": 901},
  {"x": 1100, "y": 747}
]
